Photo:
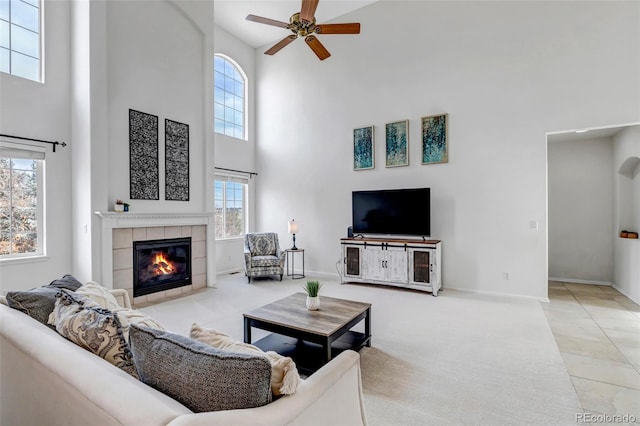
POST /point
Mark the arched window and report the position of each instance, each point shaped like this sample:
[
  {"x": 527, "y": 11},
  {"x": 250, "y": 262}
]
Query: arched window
[{"x": 229, "y": 97}]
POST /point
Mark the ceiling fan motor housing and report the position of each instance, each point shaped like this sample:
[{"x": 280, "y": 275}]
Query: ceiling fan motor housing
[{"x": 300, "y": 27}]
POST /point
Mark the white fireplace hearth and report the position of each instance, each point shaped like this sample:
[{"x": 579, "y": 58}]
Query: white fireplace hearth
[{"x": 120, "y": 230}]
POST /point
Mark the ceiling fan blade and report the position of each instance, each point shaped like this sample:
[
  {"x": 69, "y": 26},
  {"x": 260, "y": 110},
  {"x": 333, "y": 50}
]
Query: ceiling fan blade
[
  {"x": 321, "y": 52},
  {"x": 279, "y": 45},
  {"x": 267, "y": 21},
  {"x": 308, "y": 10},
  {"x": 353, "y": 28}
]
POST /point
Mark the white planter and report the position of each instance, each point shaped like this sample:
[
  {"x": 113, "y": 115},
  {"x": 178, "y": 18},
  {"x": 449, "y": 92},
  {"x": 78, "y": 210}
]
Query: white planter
[
  {"x": 118, "y": 207},
  {"x": 313, "y": 303}
]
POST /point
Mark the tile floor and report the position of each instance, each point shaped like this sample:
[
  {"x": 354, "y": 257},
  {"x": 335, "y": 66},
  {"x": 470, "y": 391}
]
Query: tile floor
[{"x": 597, "y": 330}]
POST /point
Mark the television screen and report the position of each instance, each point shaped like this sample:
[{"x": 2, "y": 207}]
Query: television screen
[{"x": 392, "y": 211}]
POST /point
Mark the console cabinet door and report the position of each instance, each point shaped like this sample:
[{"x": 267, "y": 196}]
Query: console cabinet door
[
  {"x": 352, "y": 260},
  {"x": 421, "y": 266},
  {"x": 396, "y": 267},
  {"x": 373, "y": 259}
]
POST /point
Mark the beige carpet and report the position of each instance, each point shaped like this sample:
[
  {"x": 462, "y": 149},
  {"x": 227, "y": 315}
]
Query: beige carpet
[{"x": 459, "y": 358}]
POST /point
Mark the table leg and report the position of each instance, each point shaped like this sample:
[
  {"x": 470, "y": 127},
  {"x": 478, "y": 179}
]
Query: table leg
[
  {"x": 367, "y": 327},
  {"x": 247, "y": 330},
  {"x": 326, "y": 346}
]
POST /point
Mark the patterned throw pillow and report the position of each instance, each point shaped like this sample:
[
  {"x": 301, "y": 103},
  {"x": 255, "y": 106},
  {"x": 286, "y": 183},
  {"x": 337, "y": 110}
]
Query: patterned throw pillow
[
  {"x": 38, "y": 303},
  {"x": 93, "y": 328},
  {"x": 198, "y": 376},
  {"x": 284, "y": 374}
]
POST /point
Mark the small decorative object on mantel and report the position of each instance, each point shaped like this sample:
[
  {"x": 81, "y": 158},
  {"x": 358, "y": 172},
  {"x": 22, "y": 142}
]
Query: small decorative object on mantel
[
  {"x": 313, "y": 300},
  {"x": 628, "y": 234},
  {"x": 121, "y": 206}
]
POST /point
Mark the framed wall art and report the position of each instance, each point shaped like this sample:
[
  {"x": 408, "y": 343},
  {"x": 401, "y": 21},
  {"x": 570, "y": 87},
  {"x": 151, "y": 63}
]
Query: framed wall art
[
  {"x": 435, "y": 141},
  {"x": 363, "y": 148},
  {"x": 176, "y": 160},
  {"x": 397, "y": 143},
  {"x": 143, "y": 156}
]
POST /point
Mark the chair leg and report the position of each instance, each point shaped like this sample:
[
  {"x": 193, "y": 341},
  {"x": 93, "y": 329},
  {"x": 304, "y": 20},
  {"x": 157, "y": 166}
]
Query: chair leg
[
  {"x": 248, "y": 279},
  {"x": 280, "y": 277}
]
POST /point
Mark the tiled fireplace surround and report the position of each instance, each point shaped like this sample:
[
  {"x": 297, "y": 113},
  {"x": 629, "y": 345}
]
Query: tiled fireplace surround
[{"x": 120, "y": 230}]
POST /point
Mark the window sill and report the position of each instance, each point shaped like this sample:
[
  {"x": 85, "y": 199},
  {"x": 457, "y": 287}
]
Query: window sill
[
  {"x": 25, "y": 259},
  {"x": 230, "y": 238}
]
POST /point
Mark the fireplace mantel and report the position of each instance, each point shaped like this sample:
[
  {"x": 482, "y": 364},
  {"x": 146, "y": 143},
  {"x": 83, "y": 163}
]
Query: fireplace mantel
[{"x": 113, "y": 220}]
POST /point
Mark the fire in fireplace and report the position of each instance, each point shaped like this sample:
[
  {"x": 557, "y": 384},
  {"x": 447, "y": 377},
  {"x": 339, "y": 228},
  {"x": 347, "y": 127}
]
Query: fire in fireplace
[{"x": 160, "y": 265}]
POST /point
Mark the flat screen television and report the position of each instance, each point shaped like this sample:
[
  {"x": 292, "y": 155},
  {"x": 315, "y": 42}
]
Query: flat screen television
[{"x": 392, "y": 212}]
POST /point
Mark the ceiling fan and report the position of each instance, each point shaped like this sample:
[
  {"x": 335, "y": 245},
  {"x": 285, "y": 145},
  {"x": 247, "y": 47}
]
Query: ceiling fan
[{"x": 303, "y": 24}]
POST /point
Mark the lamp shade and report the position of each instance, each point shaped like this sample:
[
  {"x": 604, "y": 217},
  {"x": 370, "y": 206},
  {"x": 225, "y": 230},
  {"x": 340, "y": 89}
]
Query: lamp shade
[{"x": 293, "y": 227}]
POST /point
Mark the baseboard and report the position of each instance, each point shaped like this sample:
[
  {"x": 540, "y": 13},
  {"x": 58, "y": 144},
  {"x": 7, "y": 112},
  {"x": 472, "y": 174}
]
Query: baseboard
[
  {"x": 578, "y": 281},
  {"x": 498, "y": 294},
  {"x": 625, "y": 293}
]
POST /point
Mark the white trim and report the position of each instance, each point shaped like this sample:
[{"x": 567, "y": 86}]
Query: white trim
[{"x": 580, "y": 281}]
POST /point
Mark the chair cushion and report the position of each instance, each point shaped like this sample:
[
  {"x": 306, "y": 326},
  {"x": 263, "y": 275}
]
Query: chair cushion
[
  {"x": 284, "y": 374},
  {"x": 262, "y": 244},
  {"x": 197, "y": 375},
  {"x": 264, "y": 261}
]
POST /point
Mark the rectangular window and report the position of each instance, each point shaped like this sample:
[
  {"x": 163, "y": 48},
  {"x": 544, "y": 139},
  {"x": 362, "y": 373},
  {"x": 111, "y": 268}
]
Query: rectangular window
[
  {"x": 21, "y": 203},
  {"x": 20, "y": 38},
  {"x": 230, "y": 206}
]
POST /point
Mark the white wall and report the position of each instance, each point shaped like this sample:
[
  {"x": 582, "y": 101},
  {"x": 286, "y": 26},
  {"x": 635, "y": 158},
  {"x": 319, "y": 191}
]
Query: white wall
[
  {"x": 626, "y": 145},
  {"x": 581, "y": 210},
  {"x": 41, "y": 111},
  {"x": 506, "y": 72},
  {"x": 236, "y": 154},
  {"x": 147, "y": 56}
]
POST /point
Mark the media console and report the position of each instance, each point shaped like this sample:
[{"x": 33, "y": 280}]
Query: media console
[{"x": 404, "y": 263}]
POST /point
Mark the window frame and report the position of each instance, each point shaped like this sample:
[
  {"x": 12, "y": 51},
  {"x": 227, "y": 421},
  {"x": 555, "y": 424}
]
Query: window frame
[
  {"x": 39, "y": 158},
  {"x": 245, "y": 101},
  {"x": 224, "y": 179},
  {"x": 40, "y": 34}
]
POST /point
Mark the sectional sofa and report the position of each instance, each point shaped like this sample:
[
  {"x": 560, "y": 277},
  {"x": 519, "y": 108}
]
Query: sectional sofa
[{"x": 47, "y": 379}]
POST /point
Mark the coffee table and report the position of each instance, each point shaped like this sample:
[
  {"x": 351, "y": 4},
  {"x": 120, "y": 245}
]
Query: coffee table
[{"x": 311, "y": 338}]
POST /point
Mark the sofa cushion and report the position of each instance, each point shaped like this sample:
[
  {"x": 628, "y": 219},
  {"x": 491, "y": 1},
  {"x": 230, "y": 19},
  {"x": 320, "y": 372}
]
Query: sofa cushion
[
  {"x": 262, "y": 244},
  {"x": 197, "y": 375},
  {"x": 38, "y": 302},
  {"x": 284, "y": 374},
  {"x": 93, "y": 328}
]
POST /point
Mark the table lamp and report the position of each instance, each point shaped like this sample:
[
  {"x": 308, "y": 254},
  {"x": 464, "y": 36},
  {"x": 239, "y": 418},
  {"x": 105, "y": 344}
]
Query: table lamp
[{"x": 293, "y": 229}]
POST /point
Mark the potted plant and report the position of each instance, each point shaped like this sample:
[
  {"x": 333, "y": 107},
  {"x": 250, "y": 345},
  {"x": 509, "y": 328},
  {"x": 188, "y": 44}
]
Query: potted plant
[
  {"x": 119, "y": 206},
  {"x": 312, "y": 288}
]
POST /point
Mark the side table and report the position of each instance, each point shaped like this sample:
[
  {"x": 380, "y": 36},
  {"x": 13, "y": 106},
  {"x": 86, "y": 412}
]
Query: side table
[{"x": 291, "y": 262}]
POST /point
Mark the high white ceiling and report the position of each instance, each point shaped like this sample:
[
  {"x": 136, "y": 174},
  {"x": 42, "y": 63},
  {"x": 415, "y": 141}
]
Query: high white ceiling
[{"x": 230, "y": 15}]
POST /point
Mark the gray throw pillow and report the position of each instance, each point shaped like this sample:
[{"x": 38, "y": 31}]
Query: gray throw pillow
[
  {"x": 39, "y": 302},
  {"x": 197, "y": 375}
]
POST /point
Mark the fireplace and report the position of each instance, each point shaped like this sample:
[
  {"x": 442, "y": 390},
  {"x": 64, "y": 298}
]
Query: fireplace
[{"x": 160, "y": 265}]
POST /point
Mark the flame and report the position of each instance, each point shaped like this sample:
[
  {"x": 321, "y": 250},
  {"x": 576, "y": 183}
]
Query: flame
[{"x": 162, "y": 265}]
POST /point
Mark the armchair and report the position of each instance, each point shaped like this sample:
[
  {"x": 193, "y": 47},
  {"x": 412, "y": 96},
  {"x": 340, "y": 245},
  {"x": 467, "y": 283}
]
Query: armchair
[{"x": 262, "y": 255}]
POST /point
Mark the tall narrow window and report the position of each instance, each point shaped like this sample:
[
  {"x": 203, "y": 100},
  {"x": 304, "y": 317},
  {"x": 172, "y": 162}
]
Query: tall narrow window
[
  {"x": 229, "y": 98},
  {"x": 230, "y": 207},
  {"x": 21, "y": 203},
  {"x": 20, "y": 41}
]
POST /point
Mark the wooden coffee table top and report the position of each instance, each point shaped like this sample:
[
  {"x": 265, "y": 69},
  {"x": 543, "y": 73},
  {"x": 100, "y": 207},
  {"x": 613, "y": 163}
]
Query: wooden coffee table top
[{"x": 292, "y": 312}]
